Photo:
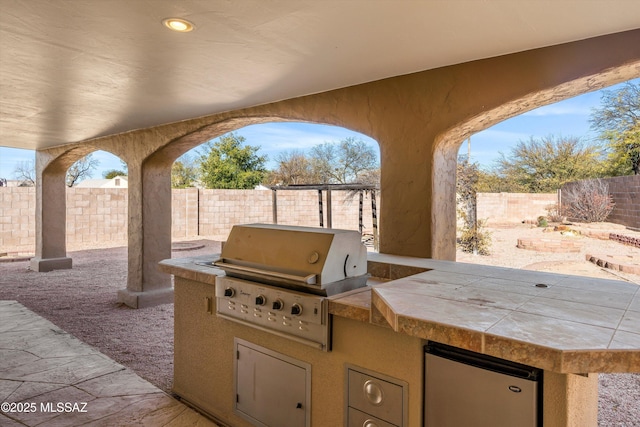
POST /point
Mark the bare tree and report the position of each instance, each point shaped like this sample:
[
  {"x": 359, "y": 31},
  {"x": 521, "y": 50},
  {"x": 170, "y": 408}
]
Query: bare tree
[
  {"x": 81, "y": 169},
  {"x": 184, "y": 172},
  {"x": 25, "y": 172},
  {"x": 343, "y": 163},
  {"x": 293, "y": 168},
  {"x": 587, "y": 200}
]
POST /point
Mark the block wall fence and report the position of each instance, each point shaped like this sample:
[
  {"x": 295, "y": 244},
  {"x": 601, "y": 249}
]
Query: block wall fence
[
  {"x": 501, "y": 208},
  {"x": 98, "y": 215}
]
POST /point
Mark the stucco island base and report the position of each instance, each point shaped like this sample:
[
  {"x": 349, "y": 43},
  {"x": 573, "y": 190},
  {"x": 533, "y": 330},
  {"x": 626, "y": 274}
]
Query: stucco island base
[{"x": 203, "y": 364}]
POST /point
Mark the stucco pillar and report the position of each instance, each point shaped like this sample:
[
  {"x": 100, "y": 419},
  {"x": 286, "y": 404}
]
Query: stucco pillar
[
  {"x": 149, "y": 229},
  {"x": 405, "y": 185},
  {"x": 51, "y": 216}
]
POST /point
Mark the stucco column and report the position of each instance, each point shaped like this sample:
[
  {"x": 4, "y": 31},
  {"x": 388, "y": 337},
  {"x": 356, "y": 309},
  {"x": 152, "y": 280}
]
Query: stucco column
[
  {"x": 51, "y": 217},
  {"x": 149, "y": 229},
  {"x": 405, "y": 187}
]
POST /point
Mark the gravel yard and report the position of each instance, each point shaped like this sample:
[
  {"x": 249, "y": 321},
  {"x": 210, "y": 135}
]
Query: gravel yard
[{"x": 82, "y": 301}]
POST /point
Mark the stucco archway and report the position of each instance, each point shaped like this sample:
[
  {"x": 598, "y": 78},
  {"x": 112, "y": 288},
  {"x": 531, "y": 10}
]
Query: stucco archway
[
  {"x": 51, "y": 206},
  {"x": 419, "y": 120}
]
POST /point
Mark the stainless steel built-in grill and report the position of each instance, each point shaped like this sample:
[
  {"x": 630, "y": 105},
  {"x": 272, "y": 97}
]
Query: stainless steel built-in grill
[{"x": 277, "y": 278}]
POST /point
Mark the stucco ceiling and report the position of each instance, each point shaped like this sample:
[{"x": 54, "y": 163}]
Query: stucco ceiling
[{"x": 72, "y": 70}]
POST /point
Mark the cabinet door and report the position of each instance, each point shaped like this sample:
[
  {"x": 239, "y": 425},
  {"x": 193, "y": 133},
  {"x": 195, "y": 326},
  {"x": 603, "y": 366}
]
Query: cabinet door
[{"x": 271, "y": 391}]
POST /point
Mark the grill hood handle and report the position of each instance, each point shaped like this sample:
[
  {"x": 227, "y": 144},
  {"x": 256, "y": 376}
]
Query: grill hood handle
[{"x": 258, "y": 273}]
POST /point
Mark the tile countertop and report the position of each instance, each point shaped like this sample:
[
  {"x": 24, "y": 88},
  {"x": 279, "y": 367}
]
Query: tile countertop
[
  {"x": 570, "y": 324},
  {"x": 561, "y": 323}
]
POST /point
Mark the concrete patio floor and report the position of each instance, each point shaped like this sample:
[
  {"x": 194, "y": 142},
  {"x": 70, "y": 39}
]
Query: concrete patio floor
[{"x": 50, "y": 378}]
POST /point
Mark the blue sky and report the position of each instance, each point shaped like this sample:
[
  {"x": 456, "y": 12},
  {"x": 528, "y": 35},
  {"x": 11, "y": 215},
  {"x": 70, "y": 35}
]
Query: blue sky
[{"x": 566, "y": 118}]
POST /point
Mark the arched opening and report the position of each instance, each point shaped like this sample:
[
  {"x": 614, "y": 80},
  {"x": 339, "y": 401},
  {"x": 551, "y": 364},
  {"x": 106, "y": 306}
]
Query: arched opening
[
  {"x": 448, "y": 145},
  {"x": 513, "y": 216},
  {"x": 205, "y": 209},
  {"x": 97, "y": 209},
  {"x": 89, "y": 212}
]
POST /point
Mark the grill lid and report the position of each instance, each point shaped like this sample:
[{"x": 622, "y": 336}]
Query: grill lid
[{"x": 319, "y": 260}]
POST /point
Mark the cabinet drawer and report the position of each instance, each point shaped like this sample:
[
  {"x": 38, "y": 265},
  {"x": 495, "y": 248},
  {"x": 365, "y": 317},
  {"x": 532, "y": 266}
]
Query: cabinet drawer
[
  {"x": 375, "y": 396},
  {"x": 360, "y": 419}
]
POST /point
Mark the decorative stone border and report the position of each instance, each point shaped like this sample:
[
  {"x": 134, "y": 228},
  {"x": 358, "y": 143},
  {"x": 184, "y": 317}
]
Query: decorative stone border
[
  {"x": 625, "y": 240},
  {"x": 542, "y": 244},
  {"x": 626, "y": 264},
  {"x": 185, "y": 246}
]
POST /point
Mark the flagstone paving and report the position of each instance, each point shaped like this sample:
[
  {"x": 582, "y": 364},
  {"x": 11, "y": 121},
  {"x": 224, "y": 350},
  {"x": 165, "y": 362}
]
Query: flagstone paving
[{"x": 50, "y": 378}]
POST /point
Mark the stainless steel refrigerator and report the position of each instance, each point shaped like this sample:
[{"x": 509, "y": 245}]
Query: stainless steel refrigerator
[{"x": 467, "y": 389}]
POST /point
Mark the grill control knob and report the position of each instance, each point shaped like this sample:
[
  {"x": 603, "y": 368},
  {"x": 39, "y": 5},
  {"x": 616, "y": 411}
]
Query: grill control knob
[
  {"x": 229, "y": 292},
  {"x": 277, "y": 304},
  {"x": 261, "y": 300},
  {"x": 296, "y": 309}
]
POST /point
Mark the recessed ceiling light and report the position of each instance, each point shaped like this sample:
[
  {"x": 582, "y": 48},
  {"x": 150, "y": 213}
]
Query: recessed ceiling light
[{"x": 178, "y": 24}]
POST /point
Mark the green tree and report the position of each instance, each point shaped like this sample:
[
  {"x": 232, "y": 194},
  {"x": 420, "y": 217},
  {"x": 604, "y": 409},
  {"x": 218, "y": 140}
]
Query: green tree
[
  {"x": 542, "y": 166},
  {"x": 349, "y": 161},
  {"x": 618, "y": 120},
  {"x": 492, "y": 182},
  {"x": 184, "y": 172},
  {"x": 227, "y": 163},
  {"x": 113, "y": 173}
]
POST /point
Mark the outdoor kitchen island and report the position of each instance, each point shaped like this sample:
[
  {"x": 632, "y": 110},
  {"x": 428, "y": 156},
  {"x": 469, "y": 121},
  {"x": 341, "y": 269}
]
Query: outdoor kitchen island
[{"x": 571, "y": 327}]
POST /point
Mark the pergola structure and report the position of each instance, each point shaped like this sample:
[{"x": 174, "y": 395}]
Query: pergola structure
[{"x": 417, "y": 76}]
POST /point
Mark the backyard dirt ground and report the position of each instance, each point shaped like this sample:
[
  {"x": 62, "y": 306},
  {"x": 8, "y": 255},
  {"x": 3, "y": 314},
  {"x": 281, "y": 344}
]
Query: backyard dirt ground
[{"x": 82, "y": 301}]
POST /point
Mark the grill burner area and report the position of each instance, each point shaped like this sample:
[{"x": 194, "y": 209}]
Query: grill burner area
[{"x": 277, "y": 278}]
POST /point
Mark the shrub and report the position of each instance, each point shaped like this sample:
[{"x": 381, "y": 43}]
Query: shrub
[
  {"x": 542, "y": 221},
  {"x": 553, "y": 213},
  {"x": 587, "y": 201},
  {"x": 475, "y": 240}
]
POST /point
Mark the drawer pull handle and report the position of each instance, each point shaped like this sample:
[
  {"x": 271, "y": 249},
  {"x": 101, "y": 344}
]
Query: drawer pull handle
[{"x": 373, "y": 392}]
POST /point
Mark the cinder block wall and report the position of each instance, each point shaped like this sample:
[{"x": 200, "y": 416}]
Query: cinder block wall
[
  {"x": 221, "y": 209},
  {"x": 625, "y": 191},
  {"x": 97, "y": 215},
  {"x": 17, "y": 219},
  {"x": 498, "y": 208}
]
